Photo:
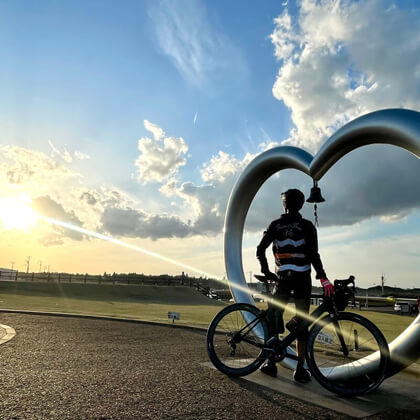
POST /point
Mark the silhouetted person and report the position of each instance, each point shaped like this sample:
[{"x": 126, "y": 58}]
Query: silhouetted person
[{"x": 295, "y": 249}]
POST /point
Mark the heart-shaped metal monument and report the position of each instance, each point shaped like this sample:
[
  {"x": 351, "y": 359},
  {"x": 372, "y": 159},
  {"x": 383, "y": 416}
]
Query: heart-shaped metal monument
[{"x": 399, "y": 127}]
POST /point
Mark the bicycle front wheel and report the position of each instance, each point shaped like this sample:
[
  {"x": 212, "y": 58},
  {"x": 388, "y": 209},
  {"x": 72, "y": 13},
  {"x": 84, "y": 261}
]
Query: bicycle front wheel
[
  {"x": 235, "y": 339},
  {"x": 347, "y": 354}
]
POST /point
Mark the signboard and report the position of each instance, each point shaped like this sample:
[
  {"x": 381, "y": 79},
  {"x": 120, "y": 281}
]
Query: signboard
[
  {"x": 325, "y": 338},
  {"x": 173, "y": 316}
]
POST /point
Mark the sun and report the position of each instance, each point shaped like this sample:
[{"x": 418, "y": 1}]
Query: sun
[{"x": 16, "y": 213}]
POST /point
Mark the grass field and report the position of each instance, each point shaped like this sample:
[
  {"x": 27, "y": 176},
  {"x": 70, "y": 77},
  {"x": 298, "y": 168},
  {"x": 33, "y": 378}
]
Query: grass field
[{"x": 150, "y": 303}]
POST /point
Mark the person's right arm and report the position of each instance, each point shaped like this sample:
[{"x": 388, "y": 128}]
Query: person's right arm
[{"x": 265, "y": 242}]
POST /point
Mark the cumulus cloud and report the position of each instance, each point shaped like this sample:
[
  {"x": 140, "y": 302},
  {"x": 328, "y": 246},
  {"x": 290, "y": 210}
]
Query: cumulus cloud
[
  {"x": 60, "y": 193},
  {"x": 222, "y": 166},
  {"x": 208, "y": 201},
  {"x": 157, "y": 132},
  {"x": 47, "y": 207},
  {"x": 160, "y": 157},
  {"x": 135, "y": 223},
  {"x": 24, "y": 167},
  {"x": 338, "y": 62}
]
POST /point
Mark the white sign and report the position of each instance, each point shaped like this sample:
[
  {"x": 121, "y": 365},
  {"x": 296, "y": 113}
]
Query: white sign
[
  {"x": 173, "y": 315},
  {"x": 325, "y": 338}
]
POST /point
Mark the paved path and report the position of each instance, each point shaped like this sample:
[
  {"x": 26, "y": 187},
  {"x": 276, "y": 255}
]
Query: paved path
[{"x": 69, "y": 368}]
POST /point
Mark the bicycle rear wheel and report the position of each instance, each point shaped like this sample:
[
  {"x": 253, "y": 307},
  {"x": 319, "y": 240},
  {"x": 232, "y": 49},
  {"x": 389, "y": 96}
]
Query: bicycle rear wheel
[
  {"x": 235, "y": 339},
  {"x": 347, "y": 354}
]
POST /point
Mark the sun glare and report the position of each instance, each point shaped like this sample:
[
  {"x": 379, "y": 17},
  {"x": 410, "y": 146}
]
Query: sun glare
[{"x": 16, "y": 213}]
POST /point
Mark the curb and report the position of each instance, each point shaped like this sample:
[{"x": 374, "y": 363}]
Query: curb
[{"x": 103, "y": 318}]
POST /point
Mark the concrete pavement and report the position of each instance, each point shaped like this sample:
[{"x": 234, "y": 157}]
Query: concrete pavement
[{"x": 401, "y": 391}]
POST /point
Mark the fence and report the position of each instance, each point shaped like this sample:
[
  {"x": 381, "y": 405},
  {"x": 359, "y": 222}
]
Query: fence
[{"x": 202, "y": 285}]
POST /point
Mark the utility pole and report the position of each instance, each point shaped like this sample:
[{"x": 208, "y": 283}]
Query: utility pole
[
  {"x": 27, "y": 264},
  {"x": 13, "y": 264},
  {"x": 40, "y": 265},
  {"x": 382, "y": 283}
]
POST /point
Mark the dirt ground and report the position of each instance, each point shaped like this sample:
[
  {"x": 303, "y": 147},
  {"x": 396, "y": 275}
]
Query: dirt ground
[{"x": 70, "y": 368}]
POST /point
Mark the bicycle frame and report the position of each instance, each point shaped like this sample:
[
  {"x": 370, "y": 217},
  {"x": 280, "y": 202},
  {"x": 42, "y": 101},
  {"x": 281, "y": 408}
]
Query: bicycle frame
[
  {"x": 326, "y": 307},
  {"x": 280, "y": 352}
]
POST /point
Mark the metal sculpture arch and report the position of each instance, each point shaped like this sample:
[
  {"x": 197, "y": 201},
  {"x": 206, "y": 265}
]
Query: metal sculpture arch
[{"x": 398, "y": 127}]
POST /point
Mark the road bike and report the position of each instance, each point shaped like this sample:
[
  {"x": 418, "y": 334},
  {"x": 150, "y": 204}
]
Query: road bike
[{"x": 345, "y": 352}]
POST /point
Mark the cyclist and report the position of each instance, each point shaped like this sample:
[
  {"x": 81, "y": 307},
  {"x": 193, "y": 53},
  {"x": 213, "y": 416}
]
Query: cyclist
[{"x": 295, "y": 248}]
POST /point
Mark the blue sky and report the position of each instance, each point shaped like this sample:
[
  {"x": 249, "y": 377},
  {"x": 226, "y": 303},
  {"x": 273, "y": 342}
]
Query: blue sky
[{"x": 134, "y": 119}]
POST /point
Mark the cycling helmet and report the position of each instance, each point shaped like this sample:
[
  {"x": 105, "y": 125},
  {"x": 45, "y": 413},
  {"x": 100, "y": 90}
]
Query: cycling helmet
[{"x": 293, "y": 199}]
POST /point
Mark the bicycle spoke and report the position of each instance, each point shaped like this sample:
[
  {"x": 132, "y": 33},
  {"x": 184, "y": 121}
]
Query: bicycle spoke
[
  {"x": 235, "y": 343},
  {"x": 347, "y": 354}
]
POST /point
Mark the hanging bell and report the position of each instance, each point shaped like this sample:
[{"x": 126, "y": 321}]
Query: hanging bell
[
  {"x": 315, "y": 197},
  {"x": 315, "y": 194}
]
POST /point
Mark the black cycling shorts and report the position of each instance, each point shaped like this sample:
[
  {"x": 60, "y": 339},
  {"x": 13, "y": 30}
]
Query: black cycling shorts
[{"x": 301, "y": 285}]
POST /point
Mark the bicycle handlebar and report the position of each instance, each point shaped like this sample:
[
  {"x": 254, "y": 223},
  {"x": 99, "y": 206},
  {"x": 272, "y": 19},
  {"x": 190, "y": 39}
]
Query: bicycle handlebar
[{"x": 345, "y": 282}]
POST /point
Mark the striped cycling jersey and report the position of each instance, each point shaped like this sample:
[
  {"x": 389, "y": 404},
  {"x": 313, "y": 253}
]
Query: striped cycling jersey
[
  {"x": 291, "y": 255},
  {"x": 295, "y": 245}
]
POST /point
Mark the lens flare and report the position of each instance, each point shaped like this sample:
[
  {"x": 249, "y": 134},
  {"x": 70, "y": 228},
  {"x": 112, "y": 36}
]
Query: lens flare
[
  {"x": 16, "y": 213},
  {"x": 129, "y": 246},
  {"x": 150, "y": 253},
  {"x": 166, "y": 259}
]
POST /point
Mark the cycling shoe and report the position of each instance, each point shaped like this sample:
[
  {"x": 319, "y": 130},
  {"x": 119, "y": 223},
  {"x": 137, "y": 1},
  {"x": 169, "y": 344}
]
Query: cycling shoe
[
  {"x": 301, "y": 375},
  {"x": 269, "y": 368}
]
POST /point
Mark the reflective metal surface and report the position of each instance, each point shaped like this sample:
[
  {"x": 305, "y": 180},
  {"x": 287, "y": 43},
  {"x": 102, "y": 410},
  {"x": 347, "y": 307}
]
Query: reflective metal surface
[{"x": 399, "y": 127}]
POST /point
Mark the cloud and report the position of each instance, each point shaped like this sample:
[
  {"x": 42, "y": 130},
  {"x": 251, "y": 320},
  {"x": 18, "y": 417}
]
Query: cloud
[
  {"x": 157, "y": 132},
  {"x": 134, "y": 223},
  {"x": 45, "y": 206},
  {"x": 161, "y": 157},
  {"x": 65, "y": 155},
  {"x": 222, "y": 166},
  {"x": 184, "y": 33},
  {"x": 206, "y": 203},
  {"x": 339, "y": 60},
  {"x": 80, "y": 155},
  {"x": 372, "y": 181},
  {"x": 20, "y": 166},
  {"x": 56, "y": 190}
]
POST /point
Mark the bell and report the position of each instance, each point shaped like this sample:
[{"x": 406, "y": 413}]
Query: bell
[{"x": 315, "y": 195}]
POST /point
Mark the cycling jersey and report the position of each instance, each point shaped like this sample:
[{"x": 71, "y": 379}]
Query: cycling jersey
[{"x": 295, "y": 246}]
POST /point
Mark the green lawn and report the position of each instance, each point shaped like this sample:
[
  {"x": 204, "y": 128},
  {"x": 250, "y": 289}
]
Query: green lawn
[
  {"x": 391, "y": 325},
  {"x": 150, "y": 303}
]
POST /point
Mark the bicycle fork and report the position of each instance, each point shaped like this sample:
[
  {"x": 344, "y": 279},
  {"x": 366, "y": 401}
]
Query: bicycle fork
[{"x": 339, "y": 333}]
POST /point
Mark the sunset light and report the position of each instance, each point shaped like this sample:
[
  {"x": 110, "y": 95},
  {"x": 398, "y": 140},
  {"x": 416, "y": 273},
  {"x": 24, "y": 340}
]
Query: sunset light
[{"x": 16, "y": 213}]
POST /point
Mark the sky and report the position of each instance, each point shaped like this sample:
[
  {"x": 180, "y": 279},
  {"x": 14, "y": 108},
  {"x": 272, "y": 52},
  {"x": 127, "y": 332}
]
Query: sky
[{"x": 134, "y": 119}]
